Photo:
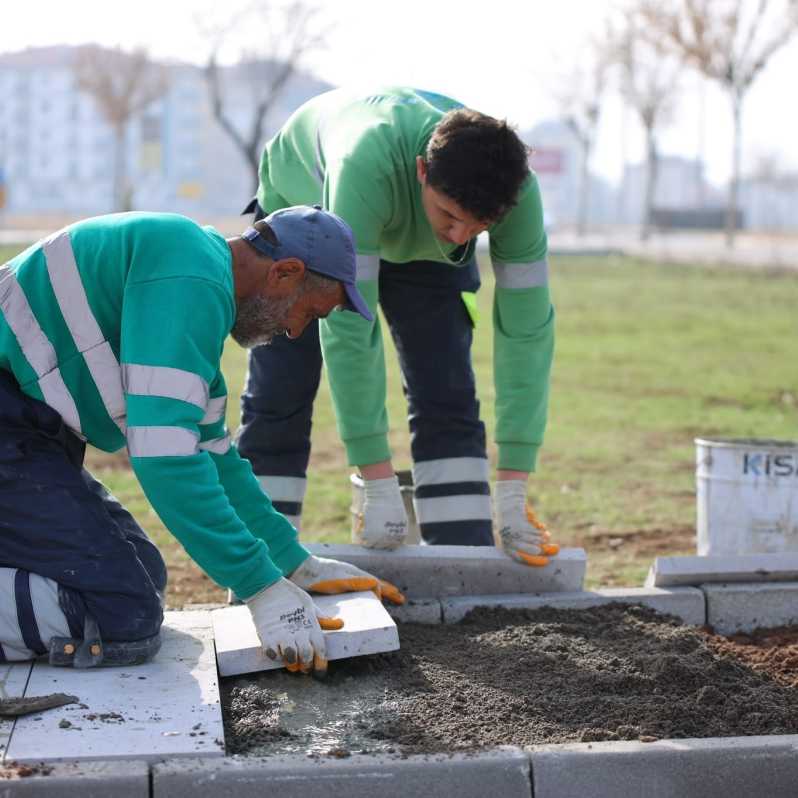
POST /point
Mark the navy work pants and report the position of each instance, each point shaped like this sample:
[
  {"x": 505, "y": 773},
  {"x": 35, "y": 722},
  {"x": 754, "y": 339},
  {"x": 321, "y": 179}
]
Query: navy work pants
[
  {"x": 433, "y": 333},
  {"x": 59, "y": 523}
]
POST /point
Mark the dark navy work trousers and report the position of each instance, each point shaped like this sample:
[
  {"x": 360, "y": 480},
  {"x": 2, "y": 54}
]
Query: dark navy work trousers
[{"x": 57, "y": 521}]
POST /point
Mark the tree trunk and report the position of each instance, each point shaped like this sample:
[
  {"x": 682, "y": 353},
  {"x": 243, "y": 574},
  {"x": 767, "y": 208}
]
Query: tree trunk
[
  {"x": 734, "y": 183},
  {"x": 652, "y": 167},
  {"x": 584, "y": 191},
  {"x": 121, "y": 198}
]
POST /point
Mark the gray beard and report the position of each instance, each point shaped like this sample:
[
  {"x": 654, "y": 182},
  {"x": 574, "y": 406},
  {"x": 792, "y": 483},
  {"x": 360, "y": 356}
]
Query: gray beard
[{"x": 258, "y": 320}]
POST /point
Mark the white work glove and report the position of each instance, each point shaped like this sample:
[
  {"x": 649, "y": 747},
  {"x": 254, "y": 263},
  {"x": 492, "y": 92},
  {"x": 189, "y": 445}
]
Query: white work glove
[
  {"x": 321, "y": 575},
  {"x": 383, "y": 522},
  {"x": 519, "y": 533},
  {"x": 288, "y": 625}
]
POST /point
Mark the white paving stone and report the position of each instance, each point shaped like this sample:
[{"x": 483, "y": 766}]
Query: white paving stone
[
  {"x": 686, "y": 603},
  {"x": 13, "y": 680},
  {"x": 167, "y": 707},
  {"x": 368, "y": 629},
  {"x": 437, "y": 571},
  {"x": 695, "y": 570},
  {"x": 745, "y": 607}
]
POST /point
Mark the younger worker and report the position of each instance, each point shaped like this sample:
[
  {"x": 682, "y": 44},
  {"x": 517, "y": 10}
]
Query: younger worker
[
  {"x": 111, "y": 333},
  {"x": 417, "y": 177}
]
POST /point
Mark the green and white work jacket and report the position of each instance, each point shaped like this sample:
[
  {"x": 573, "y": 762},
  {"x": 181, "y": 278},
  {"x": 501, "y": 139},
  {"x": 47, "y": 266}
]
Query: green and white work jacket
[
  {"x": 118, "y": 323},
  {"x": 356, "y": 155}
]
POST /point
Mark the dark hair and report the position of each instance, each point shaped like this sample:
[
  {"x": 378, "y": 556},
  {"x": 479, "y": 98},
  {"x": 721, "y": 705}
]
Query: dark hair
[{"x": 477, "y": 161}]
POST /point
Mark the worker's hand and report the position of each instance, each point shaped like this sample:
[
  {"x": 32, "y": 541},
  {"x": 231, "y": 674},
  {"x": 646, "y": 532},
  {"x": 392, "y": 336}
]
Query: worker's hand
[
  {"x": 383, "y": 522},
  {"x": 519, "y": 533},
  {"x": 321, "y": 575},
  {"x": 289, "y": 626}
]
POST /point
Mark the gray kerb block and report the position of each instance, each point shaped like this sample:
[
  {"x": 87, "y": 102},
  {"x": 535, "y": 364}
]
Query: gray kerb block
[
  {"x": 730, "y": 767},
  {"x": 128, "y": 779},
  {"x": 435, "y": 571},
  {"x": 686, "y": 603},
  {"x": 743, "y": 608},
  {"x": 420, "y": 610},
  {"x": 503, "y": 772},
  {"x": 670, "y": 571}
]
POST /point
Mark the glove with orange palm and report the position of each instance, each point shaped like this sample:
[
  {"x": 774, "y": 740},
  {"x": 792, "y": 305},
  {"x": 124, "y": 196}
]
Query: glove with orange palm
[
  {"x": 518, "y": 531},
  {"x": 322, "y": 575}
]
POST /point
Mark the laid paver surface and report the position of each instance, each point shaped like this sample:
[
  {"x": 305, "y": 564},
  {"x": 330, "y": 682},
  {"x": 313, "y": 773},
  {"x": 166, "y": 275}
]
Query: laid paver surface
[{"x": 167, "y": 707}]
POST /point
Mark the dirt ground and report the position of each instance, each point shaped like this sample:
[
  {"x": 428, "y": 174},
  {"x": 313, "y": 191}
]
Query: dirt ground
[{"x": 523, "y": 678}]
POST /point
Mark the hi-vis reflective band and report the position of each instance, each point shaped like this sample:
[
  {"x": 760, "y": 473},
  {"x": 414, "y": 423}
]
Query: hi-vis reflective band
[
  {"x": 36, "y": 348},
  {"x": 162, "y": 442},
  {"x": 29, "y": 614},
  {"x": 286, "y": 494},
  {"x": 452, "y": 489},
  {"x": 521, "y": 275},
  {"x": 86, "y": 333},
  {"x": 216, "y": 445},
  {"x": 368, "y": 267},
  {"x": 165, "y": 381},
  {"x": 450, "y": 469},
  {"x": 217, "y": 407}
]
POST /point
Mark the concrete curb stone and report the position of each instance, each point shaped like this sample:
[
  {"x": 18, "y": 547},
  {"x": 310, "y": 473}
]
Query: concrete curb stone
[
  {"x": 745, "y": 607},
  {"x": 731, "y": 767},
  {"x": 129, "y": 779},
  {"x": 686, "y": 603},
  {"x": 698, "y": 570},
  {"x": 421, "y": 610},
  {"x": 436, "y": 571},
  {"x": 503, "y": 772}
]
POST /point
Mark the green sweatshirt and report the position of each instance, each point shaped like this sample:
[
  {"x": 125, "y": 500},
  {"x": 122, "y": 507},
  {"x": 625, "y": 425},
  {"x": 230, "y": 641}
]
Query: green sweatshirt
[
  {"x": 356, "y": 155},
  {"x": 118, "y": 323}
]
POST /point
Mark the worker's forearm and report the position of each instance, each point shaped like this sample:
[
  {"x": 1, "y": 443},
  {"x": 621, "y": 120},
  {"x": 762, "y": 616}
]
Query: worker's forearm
[{"x": 381, "y": 470}]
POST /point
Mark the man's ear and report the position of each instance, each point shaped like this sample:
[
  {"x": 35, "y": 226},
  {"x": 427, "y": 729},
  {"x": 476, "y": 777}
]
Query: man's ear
[
  {"x": 421, "y": 170},
  {"x": 285, "y": 276}
]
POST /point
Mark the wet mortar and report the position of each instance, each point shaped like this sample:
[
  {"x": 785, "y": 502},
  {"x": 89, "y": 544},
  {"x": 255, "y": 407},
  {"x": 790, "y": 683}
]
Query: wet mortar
[{"x": 523, "y": 678}]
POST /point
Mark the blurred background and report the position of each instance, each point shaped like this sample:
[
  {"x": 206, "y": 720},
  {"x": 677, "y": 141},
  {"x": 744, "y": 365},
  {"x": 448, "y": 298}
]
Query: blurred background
[{"x": 664, "y": 139}]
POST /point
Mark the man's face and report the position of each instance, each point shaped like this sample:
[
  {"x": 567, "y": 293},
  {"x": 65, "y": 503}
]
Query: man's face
[
  {"x": 259, "y": 318},
  {"x": 450, "y": 223}
]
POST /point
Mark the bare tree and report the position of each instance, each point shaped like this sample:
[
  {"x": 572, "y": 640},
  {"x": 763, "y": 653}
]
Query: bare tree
[
  {"x": 122, "y": 84},
  {"x": 648, "y": 82},
  {"x": 730, "y": 42},
  {"x": 579, "y": 95},
  {"x": 284, "y": 34}
]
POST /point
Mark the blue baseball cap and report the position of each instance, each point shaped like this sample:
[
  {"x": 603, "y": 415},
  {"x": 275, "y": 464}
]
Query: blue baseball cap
[{"x": 320, "y": 239}]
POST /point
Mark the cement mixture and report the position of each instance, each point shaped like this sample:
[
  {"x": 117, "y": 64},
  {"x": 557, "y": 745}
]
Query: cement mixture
[{"x": 522, "y": 678}]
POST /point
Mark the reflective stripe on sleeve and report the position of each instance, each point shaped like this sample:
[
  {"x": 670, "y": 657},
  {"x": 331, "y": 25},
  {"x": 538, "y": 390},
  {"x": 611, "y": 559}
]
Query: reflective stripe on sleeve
[
  {"x": 450, "y": 469},
  {"x": 217, "y": 407},
  {"x": 162, "y": 442},
  {"x": 36, "y": 348},
  {"x": 165, "y": 381},
  {"x": 216, "y": 445},
  {"x": 368, "y": 267},
  {"x": 521, "y": 275},
  {"x": 83, "y": 327}
]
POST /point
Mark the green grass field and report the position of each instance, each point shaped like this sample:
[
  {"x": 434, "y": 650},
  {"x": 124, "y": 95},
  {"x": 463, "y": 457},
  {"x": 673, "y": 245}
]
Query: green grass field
[{"x": 648, "y": 357}]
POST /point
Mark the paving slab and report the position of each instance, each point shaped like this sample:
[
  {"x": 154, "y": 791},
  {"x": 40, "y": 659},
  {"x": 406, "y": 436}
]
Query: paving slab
[
  {"x": 13, "y": 680},
  {"x": 71, "y": 780},
  {"x": 745, "y": 607},
  {"x": 695, "y": 570},
  {"x": 503, "y": 772},
  {"x": 422, "y": 610},
  {"x": 686, "y": 603},
  {"x": 730, "y": 767},
  {"x": 167, "y": 707},
  {"x": 368, "y": 629},
  {"x": 436, "y": 571}
]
